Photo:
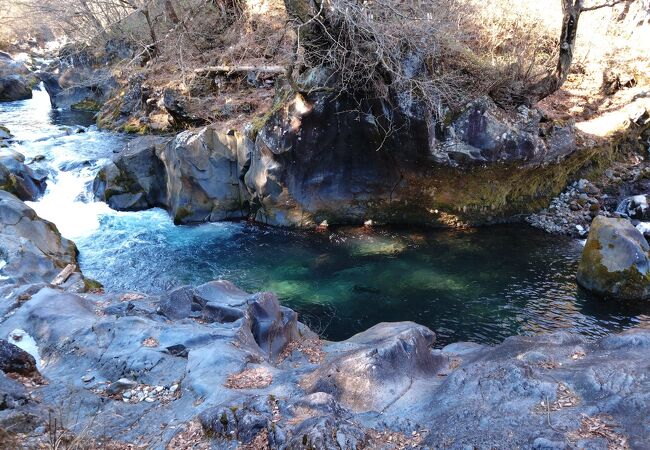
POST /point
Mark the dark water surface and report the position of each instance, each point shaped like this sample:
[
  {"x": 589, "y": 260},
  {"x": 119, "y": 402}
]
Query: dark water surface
[{"x": 481, "y": 285}]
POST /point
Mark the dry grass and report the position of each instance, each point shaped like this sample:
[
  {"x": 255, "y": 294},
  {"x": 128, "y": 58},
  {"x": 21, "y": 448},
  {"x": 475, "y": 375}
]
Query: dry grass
[{"x": 436, "y": 53}]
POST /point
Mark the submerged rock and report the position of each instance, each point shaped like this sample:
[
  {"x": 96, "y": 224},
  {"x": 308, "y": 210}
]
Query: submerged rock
[{"x": 615, "y": 262}]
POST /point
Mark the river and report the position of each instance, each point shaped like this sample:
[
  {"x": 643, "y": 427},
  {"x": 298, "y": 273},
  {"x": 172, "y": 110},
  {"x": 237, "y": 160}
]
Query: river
[{"x": 481, "y": 285}]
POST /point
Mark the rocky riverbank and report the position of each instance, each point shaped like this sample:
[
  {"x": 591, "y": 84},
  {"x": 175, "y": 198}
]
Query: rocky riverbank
[{"x": 215, "y": 367}]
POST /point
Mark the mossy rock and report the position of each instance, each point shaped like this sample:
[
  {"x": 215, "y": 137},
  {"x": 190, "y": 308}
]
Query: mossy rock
[
  {"x": 135, "y": 127},
  {"x": 91, "y": 285},
  {"x": 615, "y": 262},
  {"x": 87, "y": 105}
]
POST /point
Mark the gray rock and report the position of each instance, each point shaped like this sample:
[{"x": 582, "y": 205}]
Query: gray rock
[
  {"x": 204, "y": 176},
  {"x": 272, "y": 327},
  {"x": 19, "y": 179},
  {"x": 13, "y": 359},
  {"x": 14, "y": 87},
  {"x": 376, "y": 366},
  {"x": 32, "y": 248},
  {"x": 78, "y": 87},
  {"x": 119, "y": 386},
  {"x": 136, "y": 178},
  {"x": 16, "y": 80},
  {"x": 615, "y": 262},
  {"x": 177, "y": 304}
]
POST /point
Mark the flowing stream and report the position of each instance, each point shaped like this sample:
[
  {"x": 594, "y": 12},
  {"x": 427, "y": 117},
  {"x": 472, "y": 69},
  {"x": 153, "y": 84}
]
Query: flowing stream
[{"x": 481, "y": 285}]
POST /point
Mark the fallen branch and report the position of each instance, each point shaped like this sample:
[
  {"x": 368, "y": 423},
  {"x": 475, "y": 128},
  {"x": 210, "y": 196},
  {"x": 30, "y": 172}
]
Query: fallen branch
[
  {"x": 229, "y": 70},
  {"x": 63, "y": 276}
]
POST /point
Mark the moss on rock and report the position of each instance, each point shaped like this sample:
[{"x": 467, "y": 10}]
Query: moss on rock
[{"x": 87, "y": 105}]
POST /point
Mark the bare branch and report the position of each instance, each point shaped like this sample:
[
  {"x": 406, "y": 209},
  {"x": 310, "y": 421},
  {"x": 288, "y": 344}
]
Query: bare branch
[{"x": 604, "y": 5}]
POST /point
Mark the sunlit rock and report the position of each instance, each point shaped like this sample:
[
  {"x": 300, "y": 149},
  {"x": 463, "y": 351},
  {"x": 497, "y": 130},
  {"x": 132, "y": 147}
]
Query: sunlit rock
[{"x": 615, "y": 261}]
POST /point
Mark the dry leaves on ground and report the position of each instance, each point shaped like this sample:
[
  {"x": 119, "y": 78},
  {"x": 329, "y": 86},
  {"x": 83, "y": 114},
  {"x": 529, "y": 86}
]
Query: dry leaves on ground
[
  {"x": 601, "y": 426},
  {"x": 565, "y": 399},
  {"x": 398, "y": 441},
  {"x": 311, "y": 348},
  {"x": 150, "y": 342},
  {"x": 257, "y": 378},
  {"x": 192, "y": 437}
]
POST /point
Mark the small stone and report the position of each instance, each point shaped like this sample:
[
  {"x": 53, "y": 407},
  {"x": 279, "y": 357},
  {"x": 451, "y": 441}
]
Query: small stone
[
  {"x": 159, "y": 388},
  {"x": 127, "y": 394},
  {"x": 120, "y": 386},
  {"x": 149, "y": 399},
  {"x": 87, "y": 378},
  {"x": 173, "y": 388}
]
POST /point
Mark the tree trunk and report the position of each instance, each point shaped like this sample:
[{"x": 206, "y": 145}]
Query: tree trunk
[
  {"x": 171, "y": 12},
  {"x": 570, "y": 15},
  {"x": 308, "y": 19},
  {"x": 152, "y": 30},
  {"x": 571, "y": 10}
]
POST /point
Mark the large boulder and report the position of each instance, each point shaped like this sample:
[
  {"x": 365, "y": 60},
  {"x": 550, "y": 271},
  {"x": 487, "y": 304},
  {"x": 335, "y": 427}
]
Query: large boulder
[
  {"x": 15, "y": 80},
  {"x": 615, "y": 262},
  {"x": 14, "y": 87},
  {"x": 81, "y": 78},
  {"x": 376, "y": 367},
  {"x": 82, "y": 88},
  {"x": 197, "y": 176},
  {"x": 205, "y": 176},
  {"x": 13, "y": 359},
  {"x": 323, "y": 157},
  {"x": 18, "y": 178},
  {"x": 136, "y": 179},
  {"x": 31, "y": 249}
]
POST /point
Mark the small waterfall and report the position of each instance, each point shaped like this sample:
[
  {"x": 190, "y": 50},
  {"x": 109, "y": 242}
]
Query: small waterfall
[{"x": 634, "y": 207}]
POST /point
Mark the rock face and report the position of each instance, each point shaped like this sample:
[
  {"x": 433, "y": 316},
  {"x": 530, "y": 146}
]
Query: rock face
[
  {"x": 31, "y": 249},
  {"x": 204, "y": 176},
  {"x": 15, "y": 80},
  {"x": 324, "y": 158},
  {"x": 136, "y": 178},
  {"x": 320, "y": 159},
  {"x": 18, "y": 178},
  {"x": 615, "y": 262},
  {"x": 81, "y": 79},
  {"x": 197, "y": 177}
]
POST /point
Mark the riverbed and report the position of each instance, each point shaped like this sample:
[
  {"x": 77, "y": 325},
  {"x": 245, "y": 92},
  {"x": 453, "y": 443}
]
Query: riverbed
[{"x": 481, "y": 285}]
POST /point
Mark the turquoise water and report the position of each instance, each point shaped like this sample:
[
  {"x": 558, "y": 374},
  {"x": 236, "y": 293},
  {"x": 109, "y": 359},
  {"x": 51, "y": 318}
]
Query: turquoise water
[{"x": 481, "y": 285}]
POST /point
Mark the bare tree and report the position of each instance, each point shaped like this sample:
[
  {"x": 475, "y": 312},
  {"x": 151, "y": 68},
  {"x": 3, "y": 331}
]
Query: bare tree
[{"x": 571, "y": 11}]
